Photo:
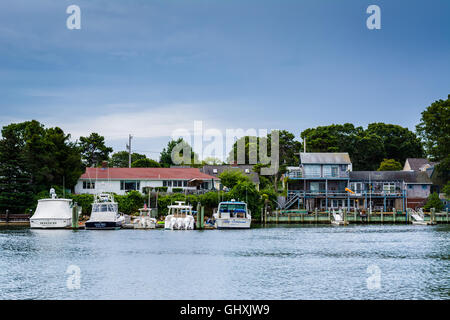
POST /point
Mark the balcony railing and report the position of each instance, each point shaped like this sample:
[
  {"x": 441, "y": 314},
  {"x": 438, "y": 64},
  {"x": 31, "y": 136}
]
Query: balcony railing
[{"x": 343, "y": 193}]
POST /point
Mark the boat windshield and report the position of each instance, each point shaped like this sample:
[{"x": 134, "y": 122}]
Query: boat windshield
[
  {"x": 104, "y": 207},
  {"x": 232, "y": 207}
]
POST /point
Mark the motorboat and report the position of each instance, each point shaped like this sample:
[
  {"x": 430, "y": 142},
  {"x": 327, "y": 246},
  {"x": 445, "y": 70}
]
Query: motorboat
[
  {"x": 105, "y": 214},
  {"x": 179, "y": 217},
  {"x": 53, "y": 213},
  {"x": 232, "y": 215},
  {"x": 338, "y": 218},
  {"x": 145, "y": 220}
]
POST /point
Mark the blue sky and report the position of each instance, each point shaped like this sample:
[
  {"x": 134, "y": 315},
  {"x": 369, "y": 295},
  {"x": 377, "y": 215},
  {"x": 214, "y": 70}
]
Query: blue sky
[{"x": 149, "y": 67}]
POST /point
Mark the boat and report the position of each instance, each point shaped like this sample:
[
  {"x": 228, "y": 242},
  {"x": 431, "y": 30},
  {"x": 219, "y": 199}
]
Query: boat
[
  {"x": 179, "y": 217},
  {"x": 105, "y": 214},
  {"x": 338, "y": 219},
  {"x": 53, "y": 213},
  {"x": 232, "y": 215},
  {"x": 145, "y": 220}
]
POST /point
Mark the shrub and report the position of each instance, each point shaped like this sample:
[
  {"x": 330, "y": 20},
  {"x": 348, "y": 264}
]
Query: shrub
[
  {"x": 177, "y": 190},
  {"x": 434, "y": 202}
]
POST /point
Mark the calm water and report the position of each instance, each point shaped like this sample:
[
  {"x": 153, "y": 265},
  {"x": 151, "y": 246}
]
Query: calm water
[{"x": 307, "y": 262}]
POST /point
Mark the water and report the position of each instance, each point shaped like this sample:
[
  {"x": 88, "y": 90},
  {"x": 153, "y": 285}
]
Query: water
[{"x": 291, "y": 262}]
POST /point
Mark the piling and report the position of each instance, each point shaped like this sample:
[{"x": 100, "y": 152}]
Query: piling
[
  {"x": 7, "y": 216},
  {"x": 202, "y": 217},
  {"x": 315, "y": 212},
  {"x": 75, "y": 216},
  {"x": 382, "y": 216},
  {"x": 345, "y": 216},
  {"x": 432, "y": 215}
]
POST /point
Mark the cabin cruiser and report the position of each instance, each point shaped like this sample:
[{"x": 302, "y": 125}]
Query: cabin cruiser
[
  {"x": 145, "y": 220},
  {"x": 179, "y": 217},
  {"x": 232, "y": 215},
  {"x": 52, "y": 213},
  {"x": 105, "y": 214}
]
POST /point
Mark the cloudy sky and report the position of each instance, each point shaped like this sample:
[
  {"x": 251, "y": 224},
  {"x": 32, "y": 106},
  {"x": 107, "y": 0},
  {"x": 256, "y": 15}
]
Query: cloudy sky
[{"x": 148, "y": 67}]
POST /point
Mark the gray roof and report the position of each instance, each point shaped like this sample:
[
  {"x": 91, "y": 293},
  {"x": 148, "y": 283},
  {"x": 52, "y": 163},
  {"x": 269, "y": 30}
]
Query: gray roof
[
  {"x": 417, "y": 163},
  {"x": 209, "y": 169},
  {"x": 324, "y": 158},
  {"x": 406, "y": 176}
]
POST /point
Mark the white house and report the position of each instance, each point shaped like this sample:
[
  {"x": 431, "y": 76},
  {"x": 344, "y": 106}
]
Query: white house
[{"x": 121, "y": 180}]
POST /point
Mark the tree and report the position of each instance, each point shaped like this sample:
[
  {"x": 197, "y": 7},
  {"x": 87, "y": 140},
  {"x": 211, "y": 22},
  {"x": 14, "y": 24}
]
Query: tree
[
  {"x": 93, "y": 150},
  {"x": 212, "y": 161},
  {"x": 399, "y": 143},
  {"x": 434, "y": 129},
  {"x": 390, "y": 165},
  {"x": 120, "y": 159},
  {"x": 230, "y": 178},
  {"x": 145, "y": 163},
  {"x": 15, "y": 188},
  {"x": 165, "y": 158},
  {"x": 434, "y": 202},
  {"x": 446, "y": 190}
]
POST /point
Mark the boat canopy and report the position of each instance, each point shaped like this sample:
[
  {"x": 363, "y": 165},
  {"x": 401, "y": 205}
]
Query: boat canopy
[{"x": 53, "y": 209}]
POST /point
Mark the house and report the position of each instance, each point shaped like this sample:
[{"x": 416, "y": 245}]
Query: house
[
  {"x": 320, "y": 180},
  {"x": 216, "y": 170},
  {"x": 418, "y": 164},
  {"x": 326, "y": 181},
  {"x": 121, "y": 180}
]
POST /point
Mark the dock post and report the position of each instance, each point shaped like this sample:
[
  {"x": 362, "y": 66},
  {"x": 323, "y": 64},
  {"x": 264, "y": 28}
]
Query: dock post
[
  {"x": 7, "y": 216},
  {"x": 329, "y": 216},
  {"x": 446, "y": 210},
  {"x": 345, "y": 216},
  {"x": 262, "y": 215},
  {"x": 382, "y": 216},
  {"x": 432, "y": 216},
  {"x": 316, "y": 215},
  {"x": 394, "y": 213},
  {"x": 75, "y": 216},
  {"x": 277, "y": 215},
  {"x": 202, "y": 217}
]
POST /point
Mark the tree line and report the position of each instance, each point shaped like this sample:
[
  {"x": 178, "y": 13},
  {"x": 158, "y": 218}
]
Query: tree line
[{"x": 34, "y": 158}]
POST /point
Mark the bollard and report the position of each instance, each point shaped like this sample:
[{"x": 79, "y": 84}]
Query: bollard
[
  {"x": 345, "y": 216},
  {"x": 202, "y": 218},
  {"x": 432, "y": 215},
  {"x": 7, "y": 216},
  {"x": 75, "y": 216},
  {"x": 316, "y": 215}
]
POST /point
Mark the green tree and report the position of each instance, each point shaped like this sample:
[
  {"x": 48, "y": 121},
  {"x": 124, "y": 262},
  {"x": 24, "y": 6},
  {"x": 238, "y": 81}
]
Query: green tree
[
  {"x": 434, "y": 129},
  {"x": 15, "y": 188},
  {"x": 165, "y": 158},
  {"x": 231, "y": 177},
  {"x": 120, "y": 159},
  {"x": 145, "y": 163},
  {"x": 93, "y": 150},
  {"x": 390, "y": 165},
  {"x": 446, "y": 190},
  {"x": 399, "y": 143},
  {"x": 434, "y": 202}
]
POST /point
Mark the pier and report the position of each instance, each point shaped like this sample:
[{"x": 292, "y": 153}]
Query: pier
[{"x": 352, "y": 217}]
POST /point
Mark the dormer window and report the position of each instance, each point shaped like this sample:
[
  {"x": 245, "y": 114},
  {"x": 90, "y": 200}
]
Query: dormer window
[{"x": 214, "y": 170}]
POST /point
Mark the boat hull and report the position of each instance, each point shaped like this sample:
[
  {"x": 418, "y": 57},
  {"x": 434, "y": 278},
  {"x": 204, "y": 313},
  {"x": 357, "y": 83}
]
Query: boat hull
[
  {"x": 103, "y": 225},
  {"x": 50, "y": 223},
  {"x": 233, "y": 223}
]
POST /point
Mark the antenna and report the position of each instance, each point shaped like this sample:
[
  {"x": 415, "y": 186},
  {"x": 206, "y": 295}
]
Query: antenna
[{"x": 128, "y": 146}]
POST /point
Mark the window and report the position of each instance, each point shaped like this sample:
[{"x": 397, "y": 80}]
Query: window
[
  {"x": 344, "y": 167},
  {"x": 88, "y": 185},
  {"x": 167, "y": 183},
  {"x": 130, "y": 185},
  {"x": 214, "y": 170},
  {"x": 334, "y": 171},
  {"x": 312, "y": 170},
  {"x": 247, "y": 170},
  {"x": 389, "y": 187},
  {"x": 424, "y": 187},
  {"x": 185, "y": 183},
  {"x": 410, "y": 186}
]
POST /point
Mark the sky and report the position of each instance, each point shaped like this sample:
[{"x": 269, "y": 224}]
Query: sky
[{"x": 150, "y": 67}]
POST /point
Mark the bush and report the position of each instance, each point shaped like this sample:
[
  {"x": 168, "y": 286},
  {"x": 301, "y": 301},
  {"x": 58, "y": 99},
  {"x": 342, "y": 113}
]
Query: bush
[
  {"x": 434, "y": 202},
  {"x": 131, "y": 202},
  {"x": 246, "y": 191},
  {"x": 177, "y": 190},
  {"x": 85, "y": 201},
  {"x": 161, "y": 189}
]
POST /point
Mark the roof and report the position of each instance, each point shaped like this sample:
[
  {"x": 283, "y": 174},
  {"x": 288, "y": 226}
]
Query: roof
[
  {"x": 406, "y": 176},
  {"x": 324, "y": 158},
  {"x": 417, "y": 163},
  {"x": 209, "y": 169},
  {"x": 146, "y": 174}
]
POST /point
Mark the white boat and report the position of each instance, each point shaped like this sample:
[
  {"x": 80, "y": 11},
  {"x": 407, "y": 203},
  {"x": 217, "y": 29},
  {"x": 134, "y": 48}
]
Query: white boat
[
  {"x": 52, "y": 213},
  {"x": 418, "y": 218},
  {"x": 338, "y": 219},
  {"x": 232, "y": 215},
  {"x": 105, "y": 214},
  {"x": 144, "y": 221},
  {"x": 179, "y": 217}
]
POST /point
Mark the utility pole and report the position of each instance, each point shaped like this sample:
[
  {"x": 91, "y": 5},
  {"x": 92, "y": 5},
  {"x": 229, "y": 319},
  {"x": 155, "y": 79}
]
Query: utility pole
[{"x": 129, "y": 150}]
